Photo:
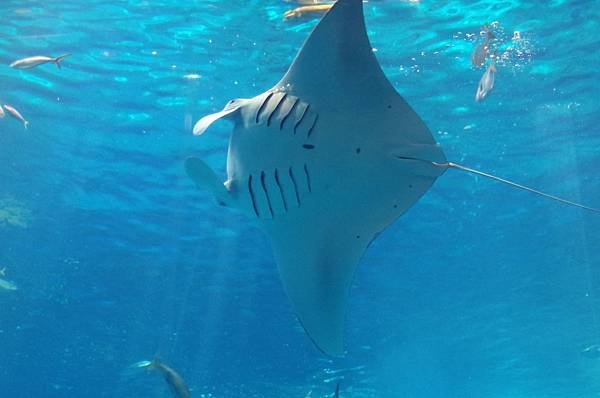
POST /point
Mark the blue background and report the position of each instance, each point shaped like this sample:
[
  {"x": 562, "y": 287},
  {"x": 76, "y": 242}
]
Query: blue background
[{"x": 480, "y": 290}]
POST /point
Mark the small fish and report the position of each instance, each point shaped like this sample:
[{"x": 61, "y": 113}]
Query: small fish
[
  {"x": 304, "y": 2},
  {"x": 516, "y": 35},
  {"x": 592, "y": 352},
  {"x": 300, "y": 12},
  {"x": 32, "y": 62},
  {"x": 173, "y": 379},
  {"x": 486, "y": 84},
  {"x": 481, "y": 52},
  {"x": 6, "y": 285},
  {"x": 15, "y": 113}
]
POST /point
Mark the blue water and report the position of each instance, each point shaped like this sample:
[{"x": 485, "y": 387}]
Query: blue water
[{"x": 478, "y": 291}]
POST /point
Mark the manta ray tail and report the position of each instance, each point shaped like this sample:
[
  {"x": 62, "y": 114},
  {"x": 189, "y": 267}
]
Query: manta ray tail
[
  {"x": 204, "y": 176},
  {"x": 514, "y": 184}
]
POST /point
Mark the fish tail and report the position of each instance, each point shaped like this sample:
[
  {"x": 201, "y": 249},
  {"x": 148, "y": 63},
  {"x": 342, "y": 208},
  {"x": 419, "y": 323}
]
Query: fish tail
[
  {"x": 155, "y": 362},
  {"x": 60, "y": 58}
]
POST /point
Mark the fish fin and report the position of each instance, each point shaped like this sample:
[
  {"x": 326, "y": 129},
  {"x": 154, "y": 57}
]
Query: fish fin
[
  {"x": 203, "y": 124},
  {"x": 60, "y": 58},
  {"x": 204, "y": 176},
  {"x": 155, "y": 362}
]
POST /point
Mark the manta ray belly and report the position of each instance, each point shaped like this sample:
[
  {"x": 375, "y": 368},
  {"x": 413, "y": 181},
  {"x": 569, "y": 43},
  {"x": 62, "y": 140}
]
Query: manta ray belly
[
  {"x": 321, "y": 198},
  {"x": 270, "y": 155},
  {"x": 324, "y": 162}
]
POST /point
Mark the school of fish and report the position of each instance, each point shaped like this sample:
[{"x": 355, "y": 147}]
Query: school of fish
[{"x": 28, "y": 63}]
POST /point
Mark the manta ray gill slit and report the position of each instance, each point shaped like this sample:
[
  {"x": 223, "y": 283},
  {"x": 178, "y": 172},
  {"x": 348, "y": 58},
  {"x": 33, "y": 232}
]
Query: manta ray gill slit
[{"x": 291, "y": 109}]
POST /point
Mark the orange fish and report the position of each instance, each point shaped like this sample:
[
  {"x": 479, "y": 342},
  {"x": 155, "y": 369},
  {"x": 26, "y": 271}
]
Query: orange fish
[{"x": 303, "y": 11}]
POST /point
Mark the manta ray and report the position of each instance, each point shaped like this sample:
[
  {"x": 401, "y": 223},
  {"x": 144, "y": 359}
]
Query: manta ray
[{"x": 324, "y": 161}]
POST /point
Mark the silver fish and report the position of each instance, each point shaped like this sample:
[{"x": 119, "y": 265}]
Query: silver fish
[
  {"x": 486, "y": 84},
  {"x": 6, "y": 285},
  {"x": 32, "y": 62},
  {"x": 175, "y": 382},
  {"x": 15, "y": 113},
  {"x": 592, "y": 352}
]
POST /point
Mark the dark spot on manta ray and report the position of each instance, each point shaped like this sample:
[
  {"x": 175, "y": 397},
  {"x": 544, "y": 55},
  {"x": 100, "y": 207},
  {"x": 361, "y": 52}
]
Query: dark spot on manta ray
[
  {"x": 410, "y": 185},
  {"x": 357, "y": 236},
  {"x": 389, "y": 107},
  {"x": 357, "y": 150},
  {"x": 308, "y": 146}
]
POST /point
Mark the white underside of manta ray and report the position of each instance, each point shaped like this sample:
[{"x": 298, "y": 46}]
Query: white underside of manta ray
[{"x": 324, "y": 161}]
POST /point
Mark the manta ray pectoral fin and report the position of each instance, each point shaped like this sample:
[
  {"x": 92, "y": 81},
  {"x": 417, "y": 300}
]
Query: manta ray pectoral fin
[
  {"x": 316, "y": 273},
  {"x": 203, "y": 124},
  {"x": 205, "y": 177}
]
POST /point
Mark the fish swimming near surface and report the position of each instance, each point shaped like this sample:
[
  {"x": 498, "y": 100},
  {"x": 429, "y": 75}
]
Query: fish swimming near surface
[
  {"x": 306, "y": 2},
  {"x": 482, "y": 50},
  {"x": 486, "y": 83},
  {"x": 175, "y": 382},
  {"x": 323, "y": 162},
  {"x": 16, "y": 114},
  {"x": 32, "y": 62},
  {"x": 304, "y": 11}
]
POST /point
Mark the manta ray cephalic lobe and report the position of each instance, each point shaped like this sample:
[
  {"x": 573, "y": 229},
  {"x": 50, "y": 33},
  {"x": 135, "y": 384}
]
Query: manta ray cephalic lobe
[{"x": 324, "y": 161}]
